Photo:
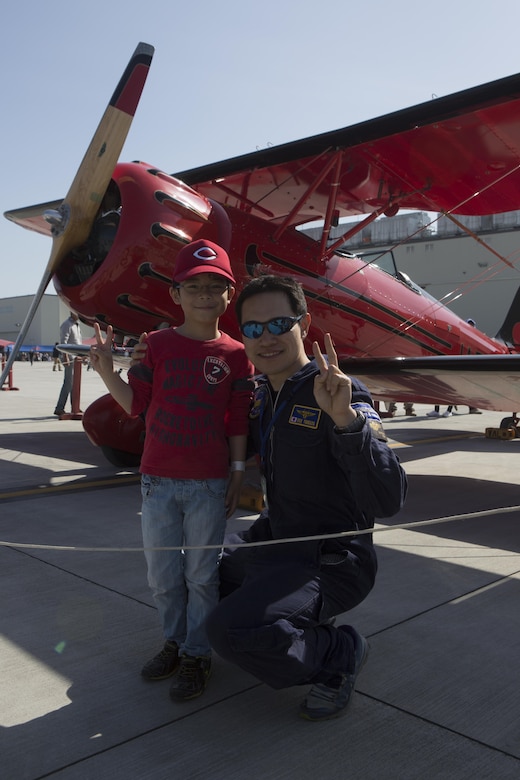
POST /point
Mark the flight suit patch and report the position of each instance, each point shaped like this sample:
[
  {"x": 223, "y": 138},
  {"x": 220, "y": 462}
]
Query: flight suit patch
[
  {"x": 305, "y": 416},
  {"x": 373, "y": 420}
]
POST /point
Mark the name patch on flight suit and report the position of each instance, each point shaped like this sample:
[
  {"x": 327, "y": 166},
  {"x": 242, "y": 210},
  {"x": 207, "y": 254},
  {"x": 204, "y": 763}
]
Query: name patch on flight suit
[{"x": 305, "y": 416}]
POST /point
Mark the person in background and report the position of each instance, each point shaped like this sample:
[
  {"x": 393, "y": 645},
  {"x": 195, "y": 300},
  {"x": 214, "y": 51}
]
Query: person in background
[
  {"x": 56, "y": 356},
  {"x": 391, "y": 408},
  {"x": 436, "y": 411},
  {"x": 70, "y": 333}
]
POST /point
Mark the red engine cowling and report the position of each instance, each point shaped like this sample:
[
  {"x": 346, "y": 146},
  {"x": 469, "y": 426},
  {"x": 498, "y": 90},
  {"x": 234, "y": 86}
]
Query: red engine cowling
[
  {"x": 122, "y": 274},
  {"x": 119, "y": 436}
]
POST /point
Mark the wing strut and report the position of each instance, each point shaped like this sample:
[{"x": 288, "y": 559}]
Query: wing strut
[
  {"x": 353, "y": 231},
  {"x": 331, "y": 205},
  {"x": 306, "y": 195},
  {"x": 477, "y": 239}
]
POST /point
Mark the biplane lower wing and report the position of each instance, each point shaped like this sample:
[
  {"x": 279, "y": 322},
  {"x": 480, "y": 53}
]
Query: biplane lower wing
[
  {"x": 121, "y": 356},
  {"x": 31, "y": 217},
  {"x": 489, "y": 382}
]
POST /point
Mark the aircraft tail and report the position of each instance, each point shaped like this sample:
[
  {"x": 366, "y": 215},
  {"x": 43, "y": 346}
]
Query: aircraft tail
[{"x": 509, "y": 333}]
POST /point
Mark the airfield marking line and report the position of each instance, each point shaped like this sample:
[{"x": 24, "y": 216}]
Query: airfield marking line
[
  {"x": 42, "y": 490},
  {"x": 47, "y": 489},
  {"x": 394, "y": 444}
]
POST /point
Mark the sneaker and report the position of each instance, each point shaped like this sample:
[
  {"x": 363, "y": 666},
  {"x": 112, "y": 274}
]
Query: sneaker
[
  {"x": 447, "y": 414},
  {"x": 324, "y": 702},
  {"x": 328, "y": 622},
  {"x": 164, "y": 664},
  {"x": 192, "y": 678},
  {"x": 59, "y": 412},
  {"x": 433, "y": 413}
]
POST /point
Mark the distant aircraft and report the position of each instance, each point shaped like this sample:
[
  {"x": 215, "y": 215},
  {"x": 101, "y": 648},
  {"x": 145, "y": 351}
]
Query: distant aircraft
[{"x": 117, "y": 232}]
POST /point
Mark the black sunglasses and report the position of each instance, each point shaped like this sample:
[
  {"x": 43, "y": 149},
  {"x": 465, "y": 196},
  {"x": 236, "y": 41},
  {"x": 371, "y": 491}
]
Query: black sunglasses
[{"x": 277, "y": 326}]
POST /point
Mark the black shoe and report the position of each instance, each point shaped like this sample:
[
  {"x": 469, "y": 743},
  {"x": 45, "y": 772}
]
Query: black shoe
[
  {"x": 164, "y": 664},
  {"x": 192, "y": 678},
  {"x": 324, "y": 702},
  {"x": 59, "y": 412}
]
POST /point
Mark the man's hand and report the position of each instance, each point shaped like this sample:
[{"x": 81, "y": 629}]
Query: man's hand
[
  {"x": 333, "y": 388},
  {"x": 139, "y": 350}
]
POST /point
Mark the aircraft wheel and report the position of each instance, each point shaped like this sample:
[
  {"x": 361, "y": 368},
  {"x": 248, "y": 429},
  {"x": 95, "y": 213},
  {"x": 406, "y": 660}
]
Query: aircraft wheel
[{"x": 511, "y": 422}]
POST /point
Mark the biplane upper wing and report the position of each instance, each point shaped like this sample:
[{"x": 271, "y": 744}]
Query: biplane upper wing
[{"x": 459, "y": 153}]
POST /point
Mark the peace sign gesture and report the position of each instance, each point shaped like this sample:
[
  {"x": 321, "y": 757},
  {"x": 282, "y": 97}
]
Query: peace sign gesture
[
  {"x": 332, "y": 388},
  {"x": 101, "y": 351}
]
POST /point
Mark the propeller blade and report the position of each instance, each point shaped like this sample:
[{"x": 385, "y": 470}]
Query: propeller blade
[
  {"x": 86, "y": 192},
  {"x": 74, "y": 218}
]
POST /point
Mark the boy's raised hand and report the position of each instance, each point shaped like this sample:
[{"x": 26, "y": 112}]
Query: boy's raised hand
[
  {"x": 102, "y": 360},
  {"x": 332, "y": 388},
  {"x": 101, "y": 352}
]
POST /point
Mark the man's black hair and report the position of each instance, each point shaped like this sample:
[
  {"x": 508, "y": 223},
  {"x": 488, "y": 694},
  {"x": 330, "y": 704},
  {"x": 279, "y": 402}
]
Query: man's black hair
[{"x": 269, "y": 283}]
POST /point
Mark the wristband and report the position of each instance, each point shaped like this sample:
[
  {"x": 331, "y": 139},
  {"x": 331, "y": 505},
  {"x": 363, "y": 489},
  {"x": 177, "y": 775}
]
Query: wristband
[
  {"x": 238, "y": 465},
  {"x": 355, "y": 426}
]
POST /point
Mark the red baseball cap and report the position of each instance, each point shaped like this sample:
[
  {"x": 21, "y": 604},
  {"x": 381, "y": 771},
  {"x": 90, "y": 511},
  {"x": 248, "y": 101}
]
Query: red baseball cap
[{"x": 202, "y": 257}]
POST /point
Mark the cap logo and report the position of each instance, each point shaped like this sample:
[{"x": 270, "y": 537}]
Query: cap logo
[{"x": 205, "y": 253}]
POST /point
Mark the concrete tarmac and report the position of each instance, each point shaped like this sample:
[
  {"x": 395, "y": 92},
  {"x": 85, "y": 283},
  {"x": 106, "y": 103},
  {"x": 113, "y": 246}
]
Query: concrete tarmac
[{"x": 438, "y": 698}]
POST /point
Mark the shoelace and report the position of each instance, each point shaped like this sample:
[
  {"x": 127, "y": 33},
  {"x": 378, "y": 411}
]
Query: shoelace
[
  {"x": 167, "y": 652},
  {"x": 188, "y": 669},
  {"x": 322, "y": 693}
]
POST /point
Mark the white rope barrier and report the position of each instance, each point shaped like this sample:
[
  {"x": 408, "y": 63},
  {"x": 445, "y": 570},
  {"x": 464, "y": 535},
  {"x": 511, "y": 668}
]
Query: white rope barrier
[{"x": 270, "y": 542}]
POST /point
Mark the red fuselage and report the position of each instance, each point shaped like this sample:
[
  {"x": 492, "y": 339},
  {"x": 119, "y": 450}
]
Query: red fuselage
[{"x": 121, "y": 276}]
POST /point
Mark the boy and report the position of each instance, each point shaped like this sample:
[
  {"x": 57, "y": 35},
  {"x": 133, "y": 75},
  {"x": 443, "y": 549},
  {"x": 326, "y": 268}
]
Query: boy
[{"x": 193, "y": 385}]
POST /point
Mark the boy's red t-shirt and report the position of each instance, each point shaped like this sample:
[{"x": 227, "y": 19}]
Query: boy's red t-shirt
[{"x": 194, "y": 394}]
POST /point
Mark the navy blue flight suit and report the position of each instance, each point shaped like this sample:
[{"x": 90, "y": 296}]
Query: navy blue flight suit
[{"x": 318, "y": 481}]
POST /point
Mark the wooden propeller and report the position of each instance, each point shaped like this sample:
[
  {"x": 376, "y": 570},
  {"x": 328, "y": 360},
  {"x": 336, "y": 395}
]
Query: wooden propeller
[{"x": 72, "y": 221}]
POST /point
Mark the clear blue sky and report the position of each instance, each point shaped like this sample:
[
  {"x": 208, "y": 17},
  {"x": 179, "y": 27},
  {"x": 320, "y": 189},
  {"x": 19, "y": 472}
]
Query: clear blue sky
[{"x": 227, "y": 78}]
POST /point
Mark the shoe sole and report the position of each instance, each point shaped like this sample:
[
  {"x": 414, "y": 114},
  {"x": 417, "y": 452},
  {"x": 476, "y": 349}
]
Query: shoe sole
[{"x": 162, "y": 676}]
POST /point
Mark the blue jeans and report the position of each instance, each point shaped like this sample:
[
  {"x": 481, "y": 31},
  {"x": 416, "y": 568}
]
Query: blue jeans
[{"x": 185, "y": 584}]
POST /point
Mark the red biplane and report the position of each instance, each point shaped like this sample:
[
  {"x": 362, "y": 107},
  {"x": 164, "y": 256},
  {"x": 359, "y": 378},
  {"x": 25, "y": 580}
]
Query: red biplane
[{"x": 118, "y": 230}]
